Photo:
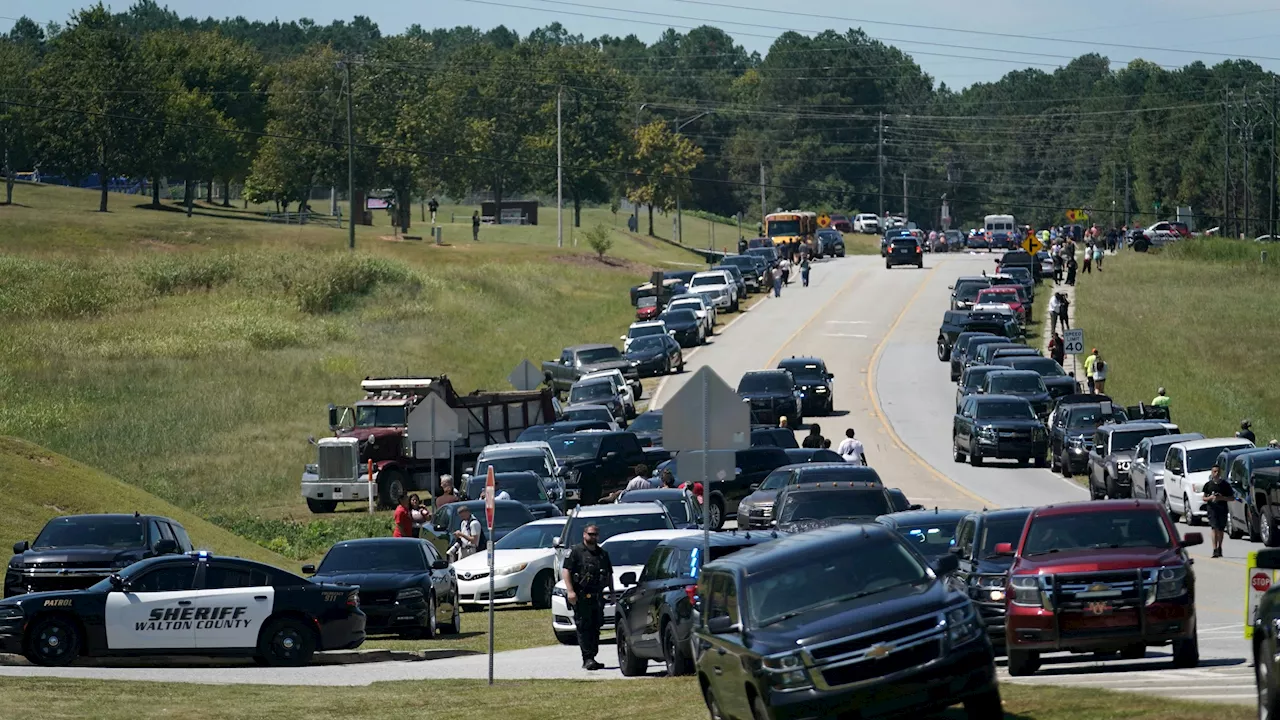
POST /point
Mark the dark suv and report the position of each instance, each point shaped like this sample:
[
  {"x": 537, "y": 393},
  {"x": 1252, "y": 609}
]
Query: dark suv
[
  {"x": 756, "y": 509},
  {"x": 654, "y": 615},
  {"x": 752, "y": 465},
  {"x": 965, "y": 292},
  {"x": 814, "y": 381},
  {"x": 1112, "y": 453},
  {"x": 841, "y": 622},
  {"x": 997, "y": 426},
  {"x": 76, "y": 551},
  {"x": 983, "y": 574},
  {"x": 801, "y": 508},
  {"x": 772, "y": 394},
  {"x": 1071, "y": 426},
  {"x": 957, "y": 324},
  {"x": 1021, "y": 383},
  {"x": 903, "y": 250},
  {"x": 960, "y": 349},
  {"x": 1055, "y": 379}
]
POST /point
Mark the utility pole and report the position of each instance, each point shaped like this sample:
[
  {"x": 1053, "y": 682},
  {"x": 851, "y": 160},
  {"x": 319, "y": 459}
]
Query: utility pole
[
  {"x": 764, "y": 206},
  {"x": 351, "y": 159},
  {"x": 1126, "y": 195},
  {"x": 1226, "y": 166},
  {"x": 880, "y": 162},
  {"x": 904, "y": 194},
  {"x": 1113, "y": 195},
  {"x": 559, "y": 174},
  {"x": 1271, "y": 201}
]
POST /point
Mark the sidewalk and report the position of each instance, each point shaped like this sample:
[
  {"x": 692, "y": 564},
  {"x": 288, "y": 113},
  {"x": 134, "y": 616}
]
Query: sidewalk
[{"x": 1071, "y": 364}]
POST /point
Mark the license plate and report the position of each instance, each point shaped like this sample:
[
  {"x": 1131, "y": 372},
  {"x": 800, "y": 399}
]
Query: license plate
[{"x": 1098, "y": 607}]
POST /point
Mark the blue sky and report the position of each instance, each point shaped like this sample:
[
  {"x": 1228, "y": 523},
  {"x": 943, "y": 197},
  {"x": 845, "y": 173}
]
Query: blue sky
[{"x": 983, "y": 40}]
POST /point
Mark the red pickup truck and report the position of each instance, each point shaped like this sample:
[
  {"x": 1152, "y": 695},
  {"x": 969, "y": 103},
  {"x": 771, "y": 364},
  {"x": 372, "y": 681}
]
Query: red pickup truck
[{"x": 1100, "y": 577}]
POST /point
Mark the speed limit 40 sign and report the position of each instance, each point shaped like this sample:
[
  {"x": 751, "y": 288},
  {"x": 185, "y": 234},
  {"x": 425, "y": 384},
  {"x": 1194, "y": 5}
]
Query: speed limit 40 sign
[{"x": 1073, "y": 342}]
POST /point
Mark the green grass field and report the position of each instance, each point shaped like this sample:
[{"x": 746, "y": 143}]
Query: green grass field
[
  {"x": 1198, "y": 318},
  {"x": 641, "y": 699}
]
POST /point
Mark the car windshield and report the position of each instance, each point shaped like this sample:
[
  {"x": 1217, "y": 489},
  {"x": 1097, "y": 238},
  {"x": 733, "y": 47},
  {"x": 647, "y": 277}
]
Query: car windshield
[
  {"x": 630, "y": 552},
  {"x": 590, "y": 391},
  {"x": 599, "y": 355},
  {"x": 647, "y": 422},
  {"x": 575, "y": 447},
  {"x": 618, "y": 524},
  {"x": 838, "y": 473},
  {"x": 1106, "y": 529},
  {"x": 1000, "y": 530},
  {"x": 522, "y": 488},
  {"x": 821, "y": 580},
  {"x": 373, "y": 557},
  {"x": 1047, "y": 367},
  {"x": 706, "y": 280},
  {"x": 835, "y": 504},
  {"x": 678, "y": 509},
  {"x": 87, "y": 531},
  {"x": 783, "y": 227},
  {"x": 1087, "y": 417},
  {"x": 1204, "y": 458},
  {"x": 588, "y": 413},
  {"x": 968, "y": 291},
  {"x": 776, "y": 480},
  {"x": 1005, "y": 410},
  {"x": 1010, "y": 383},
  {"x": 530, "y": 537},
  {"x": 765, "y": 382},
  {"x": 691, "y": 305},
  {"x": 931, "y": 539},
  {"x": 380, "y": 415},
  {"x": 805, "y": 371},
  {"x": 974, "y": 377},
  {"x": 1122, "y": 441},
  {"x": 1021, "y": 273},
  {"x": 638, "y": 331},
  {"x": 647, "y": 344},
  {"x": 680, "y": 317},
  {"x": 530, "y": 463}
]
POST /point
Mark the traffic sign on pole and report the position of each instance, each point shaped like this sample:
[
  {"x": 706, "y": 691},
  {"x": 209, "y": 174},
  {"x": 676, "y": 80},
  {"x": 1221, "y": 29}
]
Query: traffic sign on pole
[
  {"x": 824, "y": 220},
  {"x": 1032, "y": 243},
  {"x": 488, "y": 498},
  {"x": 488, "y": 514},
  {"x": 1073, "y": 342},
  {"x": 526, "y": 376}
]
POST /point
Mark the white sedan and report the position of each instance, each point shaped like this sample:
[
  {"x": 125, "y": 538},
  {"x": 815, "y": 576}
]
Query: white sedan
[
  {"x": 628, "y": 552},
  {"x": 524, "y": 567}
]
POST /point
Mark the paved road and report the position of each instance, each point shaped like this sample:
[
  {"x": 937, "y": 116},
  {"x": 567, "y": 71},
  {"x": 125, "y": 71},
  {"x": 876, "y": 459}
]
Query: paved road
[{"x": 876, "y": 330}]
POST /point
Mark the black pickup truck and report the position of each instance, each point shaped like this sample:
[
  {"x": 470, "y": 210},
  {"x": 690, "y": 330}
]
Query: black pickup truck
[
  {"x": 594, "y": 464},
  {"x": 955, "y": 322}
]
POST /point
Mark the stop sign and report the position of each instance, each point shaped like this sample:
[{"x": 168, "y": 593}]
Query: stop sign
[
  {"x": 488, "y": 498},
  {"x": 1261, "y": 581}
]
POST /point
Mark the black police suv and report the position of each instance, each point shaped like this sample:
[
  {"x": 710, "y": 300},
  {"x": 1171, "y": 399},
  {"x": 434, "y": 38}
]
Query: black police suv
[
  {"x": 845, "y": 621},
  {"x": 971, "y": 381},
  {"x": 774, "y": 437},
  {"x": 406, "y": 587},
  {"x": 956, "y": 350},
  {"x": 903, "y": 250},
  {"x": 998, "y": 426},
  {"x": 814, "y": 381},
  {"x": 1072, "y": 422},
  {"x": 982, "y": 574},
  {"x": 801, "y": 508},
  {"x": 756, "y": 509},
  {"x": 685, "y": 327},
  {"x": 655, "y": 614},
  {"x": 930, "y": 532},
  {"x": 1020, "y": 383},
  {"x": 525, "y": 487},
  {"x": 1055, "y": 379},
  {"x": 772, "y": 394},
  {"x": 76, "y": 551},
  {"x": 656, "y": 355},
  {"x": 684, "y": 509},
  {"x": 956, "y": 323},
  {"x": 192, "y": 604},
  {"x": 964, "y": 293},
  {"x": 752, "y": 466}
]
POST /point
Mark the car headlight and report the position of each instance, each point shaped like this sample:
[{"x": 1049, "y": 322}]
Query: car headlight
[
  {"x": 1169, "y": 583},
  {"x": 987, "y": 433},
  {"x": 10, "y": 612},
  {"x": 635, "y": 363},
  {"x": 1028, "y": 593},
  {"x": 560, "y": 592},
  {"x": 987, "y": 588},
  {"x": 409, "y": 594},
  {"x": 963, "y": 624},
  {"x": 1077, "y": 443},
  {"x": 511, "y": 569},
  {"x": 312, "y": 469},
  {"x": 786, "y": 672}
]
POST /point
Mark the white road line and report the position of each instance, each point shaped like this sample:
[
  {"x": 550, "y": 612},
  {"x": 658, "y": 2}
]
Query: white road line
[
  {"x": 848, "y": 335},
  {"x": 848, "y": 322}
]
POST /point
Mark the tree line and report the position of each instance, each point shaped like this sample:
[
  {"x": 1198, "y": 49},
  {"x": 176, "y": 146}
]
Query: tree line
[{"x": 838, "y": 121}]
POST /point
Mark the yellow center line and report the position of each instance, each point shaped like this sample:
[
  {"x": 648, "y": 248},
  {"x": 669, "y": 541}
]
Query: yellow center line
[{"x": 817, "y": 314}]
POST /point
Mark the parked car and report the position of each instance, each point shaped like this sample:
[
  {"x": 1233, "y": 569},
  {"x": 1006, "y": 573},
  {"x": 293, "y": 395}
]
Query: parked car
[
  {"x": 972, "y": 381},
  {"x": 1250, "y": 472},
  {"x": 773, "y": 437},
  {"x": 998, "y": 426},
  {"x": 772, "y": 395},
  {"x": 507, "y": 516},
  {"x": 984, "y": 352},
  {"x": 597, "y": 392},
  {"x": 524, "y": 567},
  {"x": 1007, "y": 295},
  {"x": 1055, "y": 378},
  {"x": 406, "y": 586},
  {"x": 600, "y": 414},
  {"x": 647, "y": 308},
  {"x": 620, "y": 387},
  {"x": 738, "y": 277},
  {"x": 717, "y": 286},
  {"x": 803, "y": 508},
  {"x": 841, "y": 223},
  {"x": 756, "y": 510},
  {"x": 657, "y": 355},
  {"x": 1186, "y": 469},
  {"x": 535, "y": 457},
  {"x": 769, "y": 254},
  {"x": 1100, "y": 577},
  {"x": 931, "y": 532},
  {"x": 562, "y": 427},
  {"x": 642, "y": 329},
  {"x": 1072, "y": 422},
  {"x": 751, "y": 269},
  {"x": 982, "y": 574},
  {"x": 1112, "y": 453},
  {"x": 964, "y": 293},
  {"x": 524, "y": 487},
  {"x": 684, "y": 509},
  {"x": 648, "y": 428},
  {"x": 866, "y": 223},
  {"x": 595, "y": 464},
  {"x": 817, "y": 394},
  {"x": 960, "y": 348},
  {"x": 579, "y": 360},
  {"x": 956, "y": 323},
  {"x": 955, "y": 240},
  {"x": 1025, "y": 384},
  {"x": 752, "y": 466},
  {"x": 705, "y": 310},
  {"x": 792, "y": 628},
  {"x": 813, "y": 455},
  {"x": 830, "y": 243},
  {"x": 685, "y": 327},
  {"x": 1146, "y": 472}
]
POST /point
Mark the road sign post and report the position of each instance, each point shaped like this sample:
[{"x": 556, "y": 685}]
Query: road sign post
[
  {"x": 489, "y": 493},
  {"x": 1073, "y": 341},
  {"x": 526, "y": 376},
  {"x": 824, "y": 220},
  {"x": 1032, "y": 243},
  {"x": 430, "y": 423},
  {"x": 708, "y": 421}
]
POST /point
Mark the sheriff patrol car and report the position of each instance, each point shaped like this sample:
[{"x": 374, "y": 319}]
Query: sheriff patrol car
[{"x": 193, "y": 604}]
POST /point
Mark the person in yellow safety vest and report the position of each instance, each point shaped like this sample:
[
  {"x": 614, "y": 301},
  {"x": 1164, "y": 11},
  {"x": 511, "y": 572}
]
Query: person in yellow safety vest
[
  {"x": 1088, "y": 367},
  {"x": 1161, "y": 399}
]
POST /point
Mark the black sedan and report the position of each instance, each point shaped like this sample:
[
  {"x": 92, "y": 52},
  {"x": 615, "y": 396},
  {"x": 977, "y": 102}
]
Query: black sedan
[
  {"x": 903, "y": 250},
  {"x": 656, "y": 355},
  {"x": 192, "y": 604},
  {"x": 998, "y": 426},
  {"x": 685, "y": 327},
  {"x": 406, "y": 587},
  {"x": 1055, "y": 379},
  {"x": 648, "y": 428},
  {"x": 524, "y": 487}
]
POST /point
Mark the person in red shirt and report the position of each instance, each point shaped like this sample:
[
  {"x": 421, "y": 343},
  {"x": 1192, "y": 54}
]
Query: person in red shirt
[{"x": 402, "y": 525}]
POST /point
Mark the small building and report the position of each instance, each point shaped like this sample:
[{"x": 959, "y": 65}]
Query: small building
[{"x": 514, "y": 212}]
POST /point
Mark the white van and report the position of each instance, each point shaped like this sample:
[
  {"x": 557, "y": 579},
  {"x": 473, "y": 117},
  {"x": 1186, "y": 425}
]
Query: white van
[{"x": 1000, "y": 224}]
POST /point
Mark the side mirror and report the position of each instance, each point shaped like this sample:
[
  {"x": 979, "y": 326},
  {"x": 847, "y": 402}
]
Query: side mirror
[
  {"x": 622, "y": 337},
  {"x": 755, "y": 486},
  {"x": 1004, "y": 549},
  {"x": 831, "y": 376},
  {"x": 1192, "y": 538},
  {"x": 440, "y": 564},
  {"x": 308, "y": 569},
  {"x": 21, "y": 547},
  {"x": 333, "y": 417},
  {"x": 722, "y": 626},
  {"x": 166, "y": 547},
  {"x": 611, "y": 455},
  {"x": 946, "y": 564},
  {"x": 916, "y": 506},
  {"x": 558, "y": 543},
  {"x": 628, "y": 578}
]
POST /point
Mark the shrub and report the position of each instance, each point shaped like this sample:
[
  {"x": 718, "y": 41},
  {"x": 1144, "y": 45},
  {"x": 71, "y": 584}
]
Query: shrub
[
  {"x": 166, "y": 276},
  {"x": 304, "y": 539},
  {"x": 330, "y": 285},
  {"x": 36, "y": 288},
  {"x": 600, "y": 240}
]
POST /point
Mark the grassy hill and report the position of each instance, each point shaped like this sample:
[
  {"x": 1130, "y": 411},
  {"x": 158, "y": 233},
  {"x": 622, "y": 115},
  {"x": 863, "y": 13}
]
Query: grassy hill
[
  {"x": 192, "y": 357},
  {"x": 38, "y": 485}
]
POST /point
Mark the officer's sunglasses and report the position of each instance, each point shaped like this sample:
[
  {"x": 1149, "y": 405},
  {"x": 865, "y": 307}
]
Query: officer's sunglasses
[{"x": 594, "y": 534}]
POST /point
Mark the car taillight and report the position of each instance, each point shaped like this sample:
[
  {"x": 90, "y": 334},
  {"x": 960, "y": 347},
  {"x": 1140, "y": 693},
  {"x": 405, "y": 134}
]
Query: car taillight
[
  {"x": 692, "y": 592},
  {"x": 917, "y": 248},
  {"x": 353, "y": 600}
]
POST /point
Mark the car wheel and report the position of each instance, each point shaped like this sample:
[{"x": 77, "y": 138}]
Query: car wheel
[
  {"x": 974, "y": 458},
  {"x": 543, "y": 584},
  {"x": 1267, "y": 529},
  {"x": 390, "y": 488},
  {"x": 321, "y": 507},
  {"x": 53, "y": 641},
  {"x": 566, "y": 638},
  {"x": 956, "y": 453},
  {"x": 680, "y": 367},
  {"x": 1022, "y": 662},
  {"x": 428, "y": 631},
  {"x": 944, "y": 353},
  {"x": 1168, "y": 507},
  {"x": 1064, "y": 464},
  {"x": 628, "y": 663},
  {"x": 454, "y": 626},
  {"x": 717, "y": 513},
  {"x": 1023, "y": 462},
  {"x": 678, "y": 663},
  {"x": 1191, "y": 516},
  {"x": 286, "y": 642},
  {"x": 713, "y": 705},
  {"x": 1186, "y": 652},
  {"x": 985, "y": 706},
  {"x": 888, "y": 266},
  {"x": 1268, "y": 699},
  {"x": 1041, "y": 461}
]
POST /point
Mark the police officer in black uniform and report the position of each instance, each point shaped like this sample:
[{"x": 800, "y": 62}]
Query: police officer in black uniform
[{"x": 587, "y": 572}]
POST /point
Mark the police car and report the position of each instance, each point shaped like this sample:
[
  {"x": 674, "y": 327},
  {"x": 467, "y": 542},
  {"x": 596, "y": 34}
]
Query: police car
[{"x": 193, "y": 604}]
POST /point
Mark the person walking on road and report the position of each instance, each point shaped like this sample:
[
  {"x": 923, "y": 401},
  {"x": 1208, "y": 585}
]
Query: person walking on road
[
  {"x": 1064, "y": 311},
  {"x": 804, "y": 270},
  {"x": 1058, "y": 264},
  {"x": 1097, "y": 257},
  {"x": 851, "y": 449},
  {"x": 1099, "y": 374},
  {"x": 1056, "y": 349},
  {"x": 1055, "y": 304},
  {"x": 777, "y": 281},
  {"x": 1071, "y": 270},
  {"x": 785, "y": 265},
  {"x": 1217, "y": 493},
  {"x": 1088, "y": 367},
  {"x": 475, "y": 226},
  {"x": 434, "y": 207},
  {"x": 1088, "y": 259},
  {"x": 814, "y": 439},
  {"x": 587, "y": 572},
  {"x": 1246, "y": 431}
]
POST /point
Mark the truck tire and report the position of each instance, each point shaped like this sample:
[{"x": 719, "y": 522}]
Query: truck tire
[
  {"x": 321, "y": 507},
  {"x": 985, "y": 706},
  {"x": 391, "y": 485},
  {"x": 1023, "y": 662},
  {"x": 1186, "y": 653},
  {"x": 1267, "y": 529}
]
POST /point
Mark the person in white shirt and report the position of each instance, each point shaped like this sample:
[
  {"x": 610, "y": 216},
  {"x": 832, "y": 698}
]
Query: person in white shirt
[
  {"x": 641, "y": 480},
  {"x": 467, "y": 537},
  {"x": 851, "y": 449}
]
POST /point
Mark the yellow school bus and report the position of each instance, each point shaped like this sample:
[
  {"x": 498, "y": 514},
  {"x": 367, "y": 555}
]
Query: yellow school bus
[{"x": 792, "y": 226}]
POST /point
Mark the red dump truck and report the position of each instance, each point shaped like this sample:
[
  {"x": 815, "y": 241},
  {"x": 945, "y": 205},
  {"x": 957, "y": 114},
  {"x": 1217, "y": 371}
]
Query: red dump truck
[{"x": 391, "y": 427}]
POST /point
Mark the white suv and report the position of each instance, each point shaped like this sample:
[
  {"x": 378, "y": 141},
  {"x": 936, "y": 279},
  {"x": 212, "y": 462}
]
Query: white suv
[
  {"x": 867, "y": 223},
  {"x": 620, "y": 385},
  {"x": 1186, "y": 470},
  {"x": 718, "y": 287},
  {"x": 642, "y": 329}
]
